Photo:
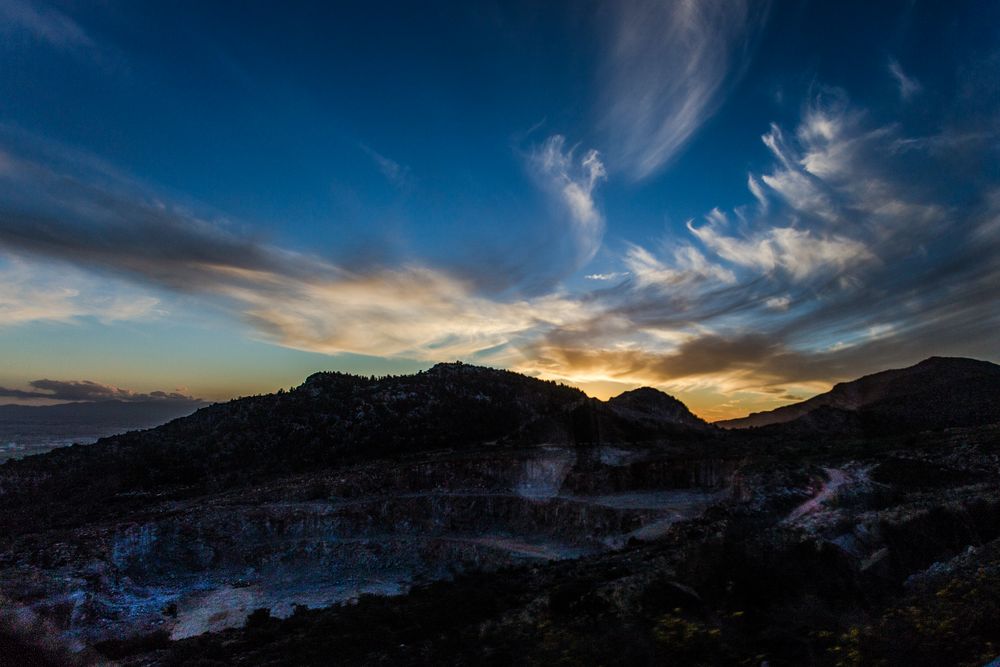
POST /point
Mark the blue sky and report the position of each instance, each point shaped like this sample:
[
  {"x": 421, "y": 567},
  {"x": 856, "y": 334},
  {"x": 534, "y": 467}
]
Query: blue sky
[{"x": 740, "y": 203}]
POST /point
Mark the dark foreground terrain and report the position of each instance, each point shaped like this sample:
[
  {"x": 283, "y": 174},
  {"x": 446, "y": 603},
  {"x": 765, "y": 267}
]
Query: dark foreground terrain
[{"x": 471, "y": 516}]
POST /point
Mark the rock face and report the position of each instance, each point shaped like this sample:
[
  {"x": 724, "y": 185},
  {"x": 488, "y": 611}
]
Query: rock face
[
  {"x": 343, "y": 486},
  {"x": 886, "y": 554},
  {"x": 935, "y": 393},
  {"x": 204, "y": 565}
]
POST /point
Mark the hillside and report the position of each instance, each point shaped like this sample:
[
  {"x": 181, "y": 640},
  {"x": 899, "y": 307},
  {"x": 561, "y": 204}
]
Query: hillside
[
  {"x": 333, "y": 419},
  {"x": 935, "y": 393},
  {"x": 467, "y": 515}
]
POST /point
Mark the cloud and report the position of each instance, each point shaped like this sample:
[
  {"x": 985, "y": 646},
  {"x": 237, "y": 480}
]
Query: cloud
[
  {"x": 688, "y": 266},
  {"x": 573, "y": 181},
  {"x": 614, "y": 275},
  {"x": 778, "y": 302},
  {"x": 908, "y": 86},
  {"x": 61, "y": 220},
  {"x": 944, "y": 143},
  {"x": 727, "y": 363},
  {"x": 397, "y": 174},
  {"x": 32, "y": 291},
  {"x": 76, "y": 213},
  {"x": 853, "y": 260},
  {"x": 669, "y": 67},
  {"x": 85, "y": 390},
  {"x": 757, "y": 191},
  {"x": 831, "y": 198},
  {"x": 414, "y": 311},
  {"x": 847, "y": 260},
  {"x": 801, "y": 253},
  {"x": 44, "y": 23}
]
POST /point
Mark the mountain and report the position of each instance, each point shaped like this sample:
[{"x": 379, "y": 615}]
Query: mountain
[
  {"x": 935, "y": 393},
  {"x": 335, "y": 418},
  {"x": 654, "y": 407},
  {"x": 477, "y": 516},
  {"x": 341, "y": 486}
]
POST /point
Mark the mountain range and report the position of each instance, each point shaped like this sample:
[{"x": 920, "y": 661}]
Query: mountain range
[
  {"x": 30, "y": 429},
  {"x": 128, "y": 414}
]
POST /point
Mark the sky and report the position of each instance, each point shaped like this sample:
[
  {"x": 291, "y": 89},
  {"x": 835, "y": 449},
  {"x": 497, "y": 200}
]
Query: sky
[{"x": 740, "y": 203}]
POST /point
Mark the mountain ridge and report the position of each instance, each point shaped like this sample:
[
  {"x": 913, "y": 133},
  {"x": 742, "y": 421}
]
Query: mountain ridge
[
  {"x": 877, "y": 391},
  {"x": 82, "y": 408},
  {"x": 333, "y": 419}
]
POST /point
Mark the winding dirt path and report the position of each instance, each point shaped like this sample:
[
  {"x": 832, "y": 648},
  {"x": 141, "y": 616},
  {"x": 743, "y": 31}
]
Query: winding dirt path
[{"x": 836, "y": 478}]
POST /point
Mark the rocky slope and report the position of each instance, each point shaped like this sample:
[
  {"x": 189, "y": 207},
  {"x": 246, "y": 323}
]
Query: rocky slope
[
  {"x": 343, "y": 486},
  {"x": 935, "y": 393},
  {"x": 204, "y": 564},
  {"x": 881, "y": 554},
  {"x": 471, "y": 516}
]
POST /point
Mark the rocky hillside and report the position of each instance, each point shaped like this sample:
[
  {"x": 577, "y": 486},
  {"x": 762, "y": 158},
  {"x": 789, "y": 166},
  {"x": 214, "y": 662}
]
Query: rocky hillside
[
  {"x": 885, "y": 554},
  {"x": 343, "y": 486},
  {"x": 653, "y": 407},
  {"x": 466, "y": 515},
  {"x": 333, "y": 419},
  {"x": 938, "y": 392}
]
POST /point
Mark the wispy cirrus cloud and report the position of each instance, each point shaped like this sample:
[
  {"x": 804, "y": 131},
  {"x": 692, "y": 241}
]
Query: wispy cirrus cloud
[
  {"x": 399, "y": 175},
  {"x": 668, "y": 68},
  {"x": 799, "y": 252},
  {"x": 844, "y": 266},
  {"x": 43, "y": 23},
  {"x": 687, "y": 267},
  {"x": 908, "y": 86},
  {"x": 572, "y": 182}
]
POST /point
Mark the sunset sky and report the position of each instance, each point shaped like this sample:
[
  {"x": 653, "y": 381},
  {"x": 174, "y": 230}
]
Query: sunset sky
[{"x": 738, "y": 203}]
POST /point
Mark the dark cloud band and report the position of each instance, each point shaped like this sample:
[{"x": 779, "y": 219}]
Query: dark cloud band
[{"x": 86, "y": 390}]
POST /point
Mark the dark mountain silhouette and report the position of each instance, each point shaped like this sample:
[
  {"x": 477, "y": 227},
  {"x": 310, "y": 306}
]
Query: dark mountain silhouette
[
  {"x": 935, "y": 393},
  {"x": 653, "y": 406},
  {"x": 336, "y": 418}
]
